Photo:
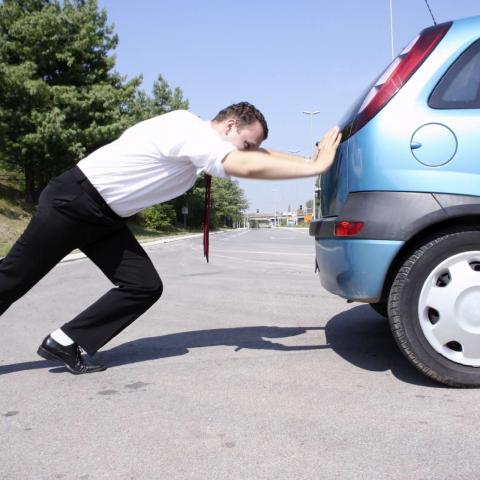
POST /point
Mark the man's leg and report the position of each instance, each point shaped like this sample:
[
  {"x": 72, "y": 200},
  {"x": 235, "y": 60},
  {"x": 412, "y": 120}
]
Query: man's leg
[
  {"x": 138, "y": 287},
  {"x": 44, "y": 243}
]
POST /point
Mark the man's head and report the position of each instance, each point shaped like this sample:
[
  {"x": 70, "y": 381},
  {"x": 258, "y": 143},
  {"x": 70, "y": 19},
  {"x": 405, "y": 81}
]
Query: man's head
[{"x": 242, "y": 125}]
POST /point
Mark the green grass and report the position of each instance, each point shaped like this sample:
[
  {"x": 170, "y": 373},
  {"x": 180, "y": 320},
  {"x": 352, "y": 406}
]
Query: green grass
[{"x": 142, "y": 233}]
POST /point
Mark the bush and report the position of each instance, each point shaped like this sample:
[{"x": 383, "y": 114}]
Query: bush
[{"x": 158, "y": 217}]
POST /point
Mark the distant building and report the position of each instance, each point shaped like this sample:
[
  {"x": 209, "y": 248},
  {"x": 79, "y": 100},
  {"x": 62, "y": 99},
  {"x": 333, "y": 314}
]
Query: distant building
[{"x": 267, "y": 219}]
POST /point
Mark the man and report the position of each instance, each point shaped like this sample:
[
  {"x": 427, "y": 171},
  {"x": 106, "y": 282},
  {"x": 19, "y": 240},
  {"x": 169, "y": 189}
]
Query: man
[{"x": 87, "y": 208}]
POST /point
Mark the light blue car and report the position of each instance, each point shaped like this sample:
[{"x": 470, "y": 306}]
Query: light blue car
[{"x": 400, "y": 224}]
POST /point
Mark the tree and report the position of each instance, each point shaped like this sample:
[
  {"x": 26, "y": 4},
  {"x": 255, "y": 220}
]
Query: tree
[
  {"x": 59, "y": 99},
  {"x": 228, "y": 202},
  {"x": 163, "y": 100}
]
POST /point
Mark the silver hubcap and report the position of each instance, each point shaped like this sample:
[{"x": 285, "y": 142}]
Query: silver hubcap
[{"x": 449, "y": 308}]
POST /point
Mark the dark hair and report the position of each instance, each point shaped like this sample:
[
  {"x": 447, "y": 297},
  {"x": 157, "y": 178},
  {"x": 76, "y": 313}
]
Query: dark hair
[{"x": 245, "y": 114}]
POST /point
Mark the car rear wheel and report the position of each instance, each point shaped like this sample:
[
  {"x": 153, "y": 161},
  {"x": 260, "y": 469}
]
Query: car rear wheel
[{"x": 434, "y": 308}]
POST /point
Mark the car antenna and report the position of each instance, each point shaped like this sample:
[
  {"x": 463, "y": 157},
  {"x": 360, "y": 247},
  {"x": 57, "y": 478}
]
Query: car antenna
[{"x": 430, "y": 10}]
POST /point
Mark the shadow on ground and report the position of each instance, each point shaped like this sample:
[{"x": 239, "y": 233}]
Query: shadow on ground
[
  {"x": 359, "y": 335},
  {"x": 363, "y": 338}
]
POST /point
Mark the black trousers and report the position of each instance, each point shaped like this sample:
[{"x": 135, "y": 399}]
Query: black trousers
[{"x": 72, "y": 214}]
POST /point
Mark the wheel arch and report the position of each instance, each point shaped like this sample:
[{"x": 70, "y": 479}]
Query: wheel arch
[{"x": 436, "y": 229}]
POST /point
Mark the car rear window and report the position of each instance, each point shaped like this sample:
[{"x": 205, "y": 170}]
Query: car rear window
[
  {"x": 460, "y": 86},
  {"x": 393, "y": 78}
]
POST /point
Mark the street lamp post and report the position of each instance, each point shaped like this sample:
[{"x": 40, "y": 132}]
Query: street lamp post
[
  {"x": 311, "y": 114},
  {"x": 295, "y": 152},
  {"x": 274, "y": 190}
]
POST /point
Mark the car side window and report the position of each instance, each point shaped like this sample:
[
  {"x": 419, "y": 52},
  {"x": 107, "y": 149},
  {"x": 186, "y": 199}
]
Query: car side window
[{"x": 460, "y": 86}]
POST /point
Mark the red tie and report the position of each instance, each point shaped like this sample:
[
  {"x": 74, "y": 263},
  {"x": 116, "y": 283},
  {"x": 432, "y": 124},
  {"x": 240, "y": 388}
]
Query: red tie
[{"x": 206, "y": 214}]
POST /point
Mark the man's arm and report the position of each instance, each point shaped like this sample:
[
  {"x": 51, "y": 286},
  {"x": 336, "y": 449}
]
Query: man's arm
[
  {"x": 282, "y": 155},
  {"x": 267, "y": 164}
]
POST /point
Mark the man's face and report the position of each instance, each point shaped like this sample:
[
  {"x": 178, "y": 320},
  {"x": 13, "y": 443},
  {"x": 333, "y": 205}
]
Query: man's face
[{"x": 248, "y": 137}]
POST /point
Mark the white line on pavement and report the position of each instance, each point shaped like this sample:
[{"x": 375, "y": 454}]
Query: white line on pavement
[
  {"x": 267, "y": 253},
  {"x": 250, "y": 260}
]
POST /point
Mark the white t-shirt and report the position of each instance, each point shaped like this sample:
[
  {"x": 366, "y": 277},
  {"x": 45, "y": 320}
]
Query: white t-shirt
[{"x": 155, "y": 160}]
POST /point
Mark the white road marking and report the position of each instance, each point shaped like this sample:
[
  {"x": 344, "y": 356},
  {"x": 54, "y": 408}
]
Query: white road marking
[
  {"x": 250, "y": 260},
  {"x": 268, "y": 253},
  {"x": 232, "y": 236},
  {"x": 297, "y": 230}
]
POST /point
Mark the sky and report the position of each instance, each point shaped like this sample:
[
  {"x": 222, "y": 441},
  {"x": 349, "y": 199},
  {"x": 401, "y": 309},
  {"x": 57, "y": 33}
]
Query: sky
[{"x": 284, "y": 57}]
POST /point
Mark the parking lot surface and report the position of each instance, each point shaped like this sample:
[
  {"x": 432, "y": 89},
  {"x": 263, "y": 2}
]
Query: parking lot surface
[{"x": 245, "y": 369}]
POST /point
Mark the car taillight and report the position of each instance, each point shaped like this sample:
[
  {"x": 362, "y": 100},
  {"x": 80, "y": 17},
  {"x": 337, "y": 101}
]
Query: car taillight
[
  {"x": 347, "y": 229},
  {"x": 396, "y": 75}
]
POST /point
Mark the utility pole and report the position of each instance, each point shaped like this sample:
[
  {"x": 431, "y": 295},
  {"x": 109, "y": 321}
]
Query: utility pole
[
  {"x": 275, "y": 190},
  {"x": 295, "y": 152}
]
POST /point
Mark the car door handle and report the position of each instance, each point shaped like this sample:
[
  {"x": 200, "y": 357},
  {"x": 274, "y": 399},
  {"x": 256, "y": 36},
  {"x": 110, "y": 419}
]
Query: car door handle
[{"x": 415, "y": 145}]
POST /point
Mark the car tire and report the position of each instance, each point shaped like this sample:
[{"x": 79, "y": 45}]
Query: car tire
[
  {"x": 381, "y": 308},
  {"x": 433, "y": 308}
]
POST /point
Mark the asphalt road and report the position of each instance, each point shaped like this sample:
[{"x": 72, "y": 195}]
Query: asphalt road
[{"x": 245, "y": 369}]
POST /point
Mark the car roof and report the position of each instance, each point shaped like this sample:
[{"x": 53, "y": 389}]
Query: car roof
[{"x": 466, "y": 27}]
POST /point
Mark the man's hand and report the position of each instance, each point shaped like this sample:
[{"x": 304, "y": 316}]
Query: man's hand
[{"x": 326, "y": 149}]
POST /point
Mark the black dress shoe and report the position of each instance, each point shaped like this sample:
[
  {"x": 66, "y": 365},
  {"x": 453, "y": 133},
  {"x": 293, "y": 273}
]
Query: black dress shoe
[{"x": 70, "y": 356}]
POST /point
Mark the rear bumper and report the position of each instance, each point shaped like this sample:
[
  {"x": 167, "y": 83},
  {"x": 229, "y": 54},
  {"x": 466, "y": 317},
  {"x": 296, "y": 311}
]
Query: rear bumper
[{"x": 356, "y": 267}]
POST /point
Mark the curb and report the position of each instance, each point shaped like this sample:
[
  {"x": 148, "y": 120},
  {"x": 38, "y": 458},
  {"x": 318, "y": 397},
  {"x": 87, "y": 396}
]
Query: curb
[{"x": 79, "y": 256}]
